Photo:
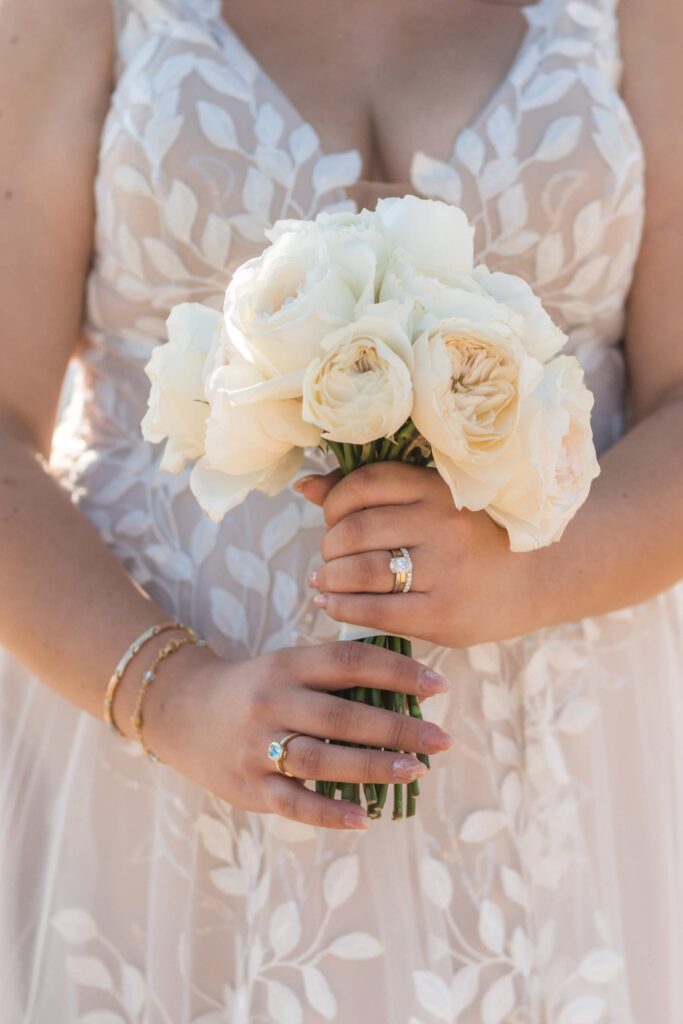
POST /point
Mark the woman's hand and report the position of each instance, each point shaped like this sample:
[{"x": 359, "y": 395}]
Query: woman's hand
[
  {"x": 468, "y": 587},
  {"x": 213, "y": 722}
]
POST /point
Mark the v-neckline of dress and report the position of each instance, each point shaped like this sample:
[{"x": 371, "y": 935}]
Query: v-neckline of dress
[{"x": 534, "y": 15}]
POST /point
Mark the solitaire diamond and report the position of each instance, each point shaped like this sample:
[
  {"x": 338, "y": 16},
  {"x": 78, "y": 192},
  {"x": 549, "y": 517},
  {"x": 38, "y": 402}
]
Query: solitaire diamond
[
  {"x": 274, "y": 750},
  {"x": 400, "y": 564}
]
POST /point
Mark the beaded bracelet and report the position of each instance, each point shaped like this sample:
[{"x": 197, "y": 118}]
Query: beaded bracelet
[
  {"x": 150, "y": 675},
  {"x": 125, "y": 661}
]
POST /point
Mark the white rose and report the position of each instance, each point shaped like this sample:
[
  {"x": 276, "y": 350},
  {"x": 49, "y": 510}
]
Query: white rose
[
  {"x": 555, "y": 459},
  {"x": 221, "y": 352},
  {"x": 356, "y": 245},
  {"x": 542, "y": 338},
  {"x": 177, "y": 406},
  {"x": 433, "y": 298},
  {"x": 254, "y": 439},
  {"x": 436, "y": 236},
  {"x": 281, "y": 304},
  {"x": 431, "y": 256},
  {"x": 471, "y": 375},
  {"x": 360, "y": 389}
]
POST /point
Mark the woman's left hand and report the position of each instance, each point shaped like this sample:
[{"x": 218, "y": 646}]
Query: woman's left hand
[{"x": 468, "y": 587}]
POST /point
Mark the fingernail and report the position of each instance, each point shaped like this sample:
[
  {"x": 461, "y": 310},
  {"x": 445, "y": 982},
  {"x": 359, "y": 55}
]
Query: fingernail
[
  {"x": 432, "y": 682},
  {"x": 354, "y": 820},
  {"x": 303, "y": 480},
  {"x": 435, "y": 738},
  {"x": 321, "y": 599},
  {"x": 408, "y": 768},
  {"x": 312, "y": 578}
]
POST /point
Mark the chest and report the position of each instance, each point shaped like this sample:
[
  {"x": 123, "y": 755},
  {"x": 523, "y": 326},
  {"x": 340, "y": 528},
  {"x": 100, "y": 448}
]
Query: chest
[
  {"x": 385, "y": 79},
  {"x": 222, "y": 122}
]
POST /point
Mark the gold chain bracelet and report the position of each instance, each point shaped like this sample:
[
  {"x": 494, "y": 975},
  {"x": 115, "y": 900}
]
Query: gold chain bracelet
[
  {"x": 150, "y": 675},
  {"x": 125, "y": 661}
]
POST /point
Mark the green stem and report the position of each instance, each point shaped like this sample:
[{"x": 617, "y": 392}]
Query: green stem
[
  {"x": 398, "y": 802},
  {"x": 350, "y": 457}
]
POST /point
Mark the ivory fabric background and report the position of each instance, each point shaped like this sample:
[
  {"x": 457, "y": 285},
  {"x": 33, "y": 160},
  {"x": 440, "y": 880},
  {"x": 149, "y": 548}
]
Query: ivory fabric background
[{"x": 541, "y": 882}]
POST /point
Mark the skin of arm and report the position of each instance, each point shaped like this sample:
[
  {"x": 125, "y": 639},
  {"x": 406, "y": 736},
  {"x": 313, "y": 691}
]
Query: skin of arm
[
  {"x": 626, "y": 543},
  {"x": 69, "y": 609}
]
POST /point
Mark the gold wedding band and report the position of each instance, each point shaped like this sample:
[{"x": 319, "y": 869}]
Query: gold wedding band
[
  {"x": 401, "y": 564},
  {"x": 277, "y": 751}
]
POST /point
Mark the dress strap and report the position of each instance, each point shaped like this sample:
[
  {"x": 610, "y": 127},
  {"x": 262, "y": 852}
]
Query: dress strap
[
  {"x": 132, "y": 21},
  {"x": 595, "y": 24}
]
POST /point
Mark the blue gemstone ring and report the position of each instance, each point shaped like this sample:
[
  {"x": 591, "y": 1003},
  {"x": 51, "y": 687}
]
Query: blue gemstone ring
[{"x": 277, "y": 751}]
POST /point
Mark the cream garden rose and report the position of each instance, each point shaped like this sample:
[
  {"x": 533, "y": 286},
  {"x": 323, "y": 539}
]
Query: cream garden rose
[
  {"x": 436, "y": 236},
  {"x": 356, "y": 244},
  {"x": 471, "y": 376},
  {"x": 542, "y": 337},
  {"x": 254, "y": 439},
  {"x": 554, "y": 459},
  {"x": 359, "y": 388},
  {"x": 431, "y": 276},
  {"x": 348, "y": 326},
  {"x": 177, "y": 407},
  {"x": 428, "y": 275},
  {"x": 280, "y": 305}
]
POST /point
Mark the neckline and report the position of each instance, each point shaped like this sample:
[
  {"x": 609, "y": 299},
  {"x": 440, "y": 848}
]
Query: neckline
[{"x": 534, "y": 15}]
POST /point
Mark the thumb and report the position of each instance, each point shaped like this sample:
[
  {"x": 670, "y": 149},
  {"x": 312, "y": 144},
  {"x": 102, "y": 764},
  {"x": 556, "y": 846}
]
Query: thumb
[{"x": 316, "y": 486}]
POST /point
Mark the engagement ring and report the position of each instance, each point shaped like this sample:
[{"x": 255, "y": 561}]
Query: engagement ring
[{"x": 401, "y": 564}]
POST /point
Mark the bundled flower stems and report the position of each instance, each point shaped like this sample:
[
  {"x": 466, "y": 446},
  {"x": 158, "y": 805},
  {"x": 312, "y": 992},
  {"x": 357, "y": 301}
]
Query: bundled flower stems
[
  {"x": 407, "y": 446},
  {"x": 373, "y": 335}
]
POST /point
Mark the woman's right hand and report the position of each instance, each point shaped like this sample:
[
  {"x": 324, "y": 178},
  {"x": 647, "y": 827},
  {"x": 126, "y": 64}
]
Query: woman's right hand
[{"x": 217, "y": 719}]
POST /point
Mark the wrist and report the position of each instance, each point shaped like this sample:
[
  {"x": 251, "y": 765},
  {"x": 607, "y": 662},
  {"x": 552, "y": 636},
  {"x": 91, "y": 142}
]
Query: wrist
[{"x": 166, "y": 721}]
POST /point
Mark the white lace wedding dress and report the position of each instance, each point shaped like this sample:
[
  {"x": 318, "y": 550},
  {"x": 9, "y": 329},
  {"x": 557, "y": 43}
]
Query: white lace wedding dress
[{"x": 542, "y": 880}]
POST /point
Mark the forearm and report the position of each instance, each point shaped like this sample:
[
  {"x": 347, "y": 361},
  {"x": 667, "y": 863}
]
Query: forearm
[
  {"x": 626, "y": 543},
  {"x": 68, "y": 608}
]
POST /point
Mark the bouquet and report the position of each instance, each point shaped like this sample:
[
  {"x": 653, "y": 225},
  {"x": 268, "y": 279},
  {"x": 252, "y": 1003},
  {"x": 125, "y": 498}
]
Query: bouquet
[{"x": 374, "y": 336}]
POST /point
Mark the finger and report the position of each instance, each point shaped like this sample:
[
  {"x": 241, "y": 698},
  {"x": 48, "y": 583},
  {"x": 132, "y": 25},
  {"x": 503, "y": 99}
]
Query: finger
[
  {"x": 315, "y": 487},
  {"x": 344, "y": 663},
  {"x": 291, "y": 799},
  {"x": 327, "y": 716},
  {"x": 394, "y": 614},
  {"x": 310, "y": 758},
  {"x": 374, "y": 529},
  {"x": 368, "y": 573},
  {"x": 379, "y": 483}
]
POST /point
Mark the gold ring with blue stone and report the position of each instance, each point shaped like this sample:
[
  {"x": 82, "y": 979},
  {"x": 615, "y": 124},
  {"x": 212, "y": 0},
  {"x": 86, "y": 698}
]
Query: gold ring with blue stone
[{"x": 277, "y": 751}]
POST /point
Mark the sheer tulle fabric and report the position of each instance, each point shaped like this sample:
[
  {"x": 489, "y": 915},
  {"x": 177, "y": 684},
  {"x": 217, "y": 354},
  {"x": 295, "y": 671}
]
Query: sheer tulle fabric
[{"x": 541, "y": 881}]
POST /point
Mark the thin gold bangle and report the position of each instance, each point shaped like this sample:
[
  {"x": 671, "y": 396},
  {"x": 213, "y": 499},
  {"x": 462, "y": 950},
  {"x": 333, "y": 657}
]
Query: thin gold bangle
[
  {"x": 125, "y": 661},
  {"x": 150, "y": 675}
]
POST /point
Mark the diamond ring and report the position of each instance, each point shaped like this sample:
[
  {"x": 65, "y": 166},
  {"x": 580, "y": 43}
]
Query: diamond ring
[
  {"x": 401, "y": 564},
  {"x": 278, "y": 752}
]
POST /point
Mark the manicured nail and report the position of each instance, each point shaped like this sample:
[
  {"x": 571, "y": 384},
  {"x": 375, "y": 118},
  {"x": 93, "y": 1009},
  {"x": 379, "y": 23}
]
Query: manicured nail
[
  {"x": 436, "y": 739},
  {"x": 303, "y": 480},
  {"x": 354, "y": 820},
  {"x": 432, "y": 682},
  {"x": 312, "y": 579},
  {"x": 408, "y": 768},
  {"x": 321, "y": 600}
]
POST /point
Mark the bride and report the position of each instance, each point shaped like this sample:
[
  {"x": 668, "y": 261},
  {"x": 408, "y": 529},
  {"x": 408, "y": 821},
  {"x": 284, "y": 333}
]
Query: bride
[{"x": 144, "y": 147}]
